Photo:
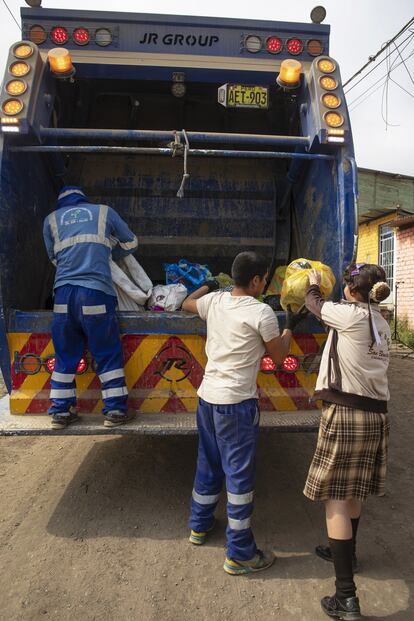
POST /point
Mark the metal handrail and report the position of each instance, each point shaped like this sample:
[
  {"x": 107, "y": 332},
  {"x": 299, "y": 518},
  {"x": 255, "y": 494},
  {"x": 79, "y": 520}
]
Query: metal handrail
[
  {"x": 167, "y": 151},
  {"x": 149, "y": 135}
]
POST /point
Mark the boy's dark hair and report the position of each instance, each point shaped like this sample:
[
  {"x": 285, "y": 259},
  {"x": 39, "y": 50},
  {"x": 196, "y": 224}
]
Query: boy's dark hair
[
  {"x": 368, "y": 280},
  {"x": 246, "y": 266}
]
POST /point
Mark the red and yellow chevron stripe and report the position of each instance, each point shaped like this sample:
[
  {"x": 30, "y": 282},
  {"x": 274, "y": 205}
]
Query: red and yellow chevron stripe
[{"x": 162, "y": 372}]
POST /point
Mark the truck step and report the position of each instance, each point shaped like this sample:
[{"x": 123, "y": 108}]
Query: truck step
[{"x": 144, "y": 424}]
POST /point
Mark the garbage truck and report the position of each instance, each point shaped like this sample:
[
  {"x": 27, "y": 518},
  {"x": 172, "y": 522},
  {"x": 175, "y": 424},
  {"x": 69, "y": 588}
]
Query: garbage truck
[{"x": 209, "y": 136}]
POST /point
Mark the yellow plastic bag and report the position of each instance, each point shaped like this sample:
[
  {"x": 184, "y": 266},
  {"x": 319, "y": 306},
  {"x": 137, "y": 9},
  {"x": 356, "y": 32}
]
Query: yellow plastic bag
[
  {"x": 296, "y": 282},
  {"x": 276, "y": 283}
]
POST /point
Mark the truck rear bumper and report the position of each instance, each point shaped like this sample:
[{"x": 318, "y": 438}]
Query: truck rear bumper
[{"x": 144, "y": 424}]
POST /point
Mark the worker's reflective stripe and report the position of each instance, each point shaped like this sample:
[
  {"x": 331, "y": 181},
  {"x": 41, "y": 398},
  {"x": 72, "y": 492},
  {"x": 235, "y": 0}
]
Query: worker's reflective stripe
[
  {"x": 67, "y": 192},
  {"x": 60, "y": 308},
  {"x": 81, "y": 239},
  {"x": 54, "y": 228},
  {"x": 204, "y": 499},
  {"x": 103, "y": 214},
  {"x": 94, "y": 310},
  {"x": 115, "y": 392},
  {"x": 110, "y": 375},
  {"x": 239, "y": 524},
  {"x": 65, "y": 378},
  {"x": 240, "y": 499},
  {"x": 62, "y": 393},
  {"x": 129, "y": 245}
]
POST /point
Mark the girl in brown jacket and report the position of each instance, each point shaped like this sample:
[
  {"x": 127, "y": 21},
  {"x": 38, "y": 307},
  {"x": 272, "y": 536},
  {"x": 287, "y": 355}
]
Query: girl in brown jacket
[{"x": 351, "y": 453}]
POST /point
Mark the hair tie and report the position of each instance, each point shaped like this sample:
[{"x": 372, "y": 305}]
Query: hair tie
[{"x": 374, "y": 290}]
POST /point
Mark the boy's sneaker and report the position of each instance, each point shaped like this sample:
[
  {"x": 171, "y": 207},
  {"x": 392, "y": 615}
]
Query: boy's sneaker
[
  {"x": 114, "y": 418},
  {"x": 197, "y": 538},
  {"x": 260, "y": 561},
  {"x": 61, "y": 420},
  {"x": 324, "y": 552},
  {"x": 346, "y": 610}
]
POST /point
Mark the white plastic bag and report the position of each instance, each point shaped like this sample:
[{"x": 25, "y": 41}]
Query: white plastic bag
[
  {"x": 168, "y": 297},
  {"x": 132, "y": 285}
]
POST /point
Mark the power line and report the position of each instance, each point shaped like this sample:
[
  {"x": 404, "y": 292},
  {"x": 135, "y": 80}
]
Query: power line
[
  {"x": 385, "y": 75},
  {"x": 381, "y": 51},
  {"x": 410, "y": 36},
  {"x": 13, "y": 17},
  {"x": 383, "y": 79}
]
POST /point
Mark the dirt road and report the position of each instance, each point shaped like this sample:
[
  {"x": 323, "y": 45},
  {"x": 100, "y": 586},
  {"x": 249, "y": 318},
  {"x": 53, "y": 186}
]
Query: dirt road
[{"x": 96, "y": 529}]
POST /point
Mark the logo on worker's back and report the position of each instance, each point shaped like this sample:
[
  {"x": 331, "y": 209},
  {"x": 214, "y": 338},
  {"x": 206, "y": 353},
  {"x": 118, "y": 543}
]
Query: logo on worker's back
[
  {"x": 175, "y": 363},
  {"x": 76, "y": 216},
  {"x": 178, "y": 39}
]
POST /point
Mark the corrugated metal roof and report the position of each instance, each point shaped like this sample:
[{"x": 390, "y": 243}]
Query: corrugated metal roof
[{"x": 382, "y": 193}]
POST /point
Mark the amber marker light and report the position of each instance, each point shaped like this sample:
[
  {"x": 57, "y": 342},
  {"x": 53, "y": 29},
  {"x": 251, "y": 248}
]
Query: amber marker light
[
  {"x": 12, "y": 107},
  {"x": 16, "y": 87},
  {"x": 328, "y": 83},
  {"x": 331, "y": 101},
  {"x": 23, "y": 50},
  {"x": 326, "y": 65},
  {"x": 334, "y": 119},
  {"x": 61, "y": 62},
  {"x": 289, "y": 76},
  {"x": 19, "y": 69}
]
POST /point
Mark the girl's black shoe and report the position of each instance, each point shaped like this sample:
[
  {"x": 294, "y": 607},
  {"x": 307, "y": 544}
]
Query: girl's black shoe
[{"x": 346, "y": 610}]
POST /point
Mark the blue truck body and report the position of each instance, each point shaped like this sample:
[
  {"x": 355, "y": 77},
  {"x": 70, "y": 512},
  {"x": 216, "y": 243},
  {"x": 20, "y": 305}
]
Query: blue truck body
[{"x": 277, "y": 180}]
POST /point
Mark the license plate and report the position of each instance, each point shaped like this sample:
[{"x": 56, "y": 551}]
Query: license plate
[{"x": 243, "y": 96}]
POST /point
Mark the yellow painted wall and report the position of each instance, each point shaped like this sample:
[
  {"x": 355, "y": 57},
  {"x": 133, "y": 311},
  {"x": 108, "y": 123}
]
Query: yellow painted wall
[{"x": 368, "y": 239}]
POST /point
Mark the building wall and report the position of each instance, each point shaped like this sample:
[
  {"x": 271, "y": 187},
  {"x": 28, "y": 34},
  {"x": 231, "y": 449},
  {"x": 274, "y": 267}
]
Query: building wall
[
  {"x": 404, "y": 274},
  {"x": 368, "y": 239}
]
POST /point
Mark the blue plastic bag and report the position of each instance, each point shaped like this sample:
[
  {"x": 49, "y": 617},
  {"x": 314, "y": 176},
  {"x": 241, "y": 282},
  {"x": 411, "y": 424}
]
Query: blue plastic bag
[{"x": 192, "y": 275}]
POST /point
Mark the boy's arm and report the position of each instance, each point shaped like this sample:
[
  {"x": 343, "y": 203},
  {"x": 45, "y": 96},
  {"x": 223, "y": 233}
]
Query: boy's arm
[
  {"x": 190, "y": 303},
  {"x": 278, "y": 348}
]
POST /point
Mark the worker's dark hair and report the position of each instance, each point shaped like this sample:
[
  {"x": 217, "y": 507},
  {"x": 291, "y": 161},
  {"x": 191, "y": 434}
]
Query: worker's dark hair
[
  {"x": 368, "y": 280},
  {"x": 246, "y": 266}
]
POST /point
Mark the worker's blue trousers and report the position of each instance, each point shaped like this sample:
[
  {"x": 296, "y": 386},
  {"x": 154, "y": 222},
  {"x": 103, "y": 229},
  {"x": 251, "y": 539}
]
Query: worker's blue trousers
[
  {"x": 86, "y": 317},
  {"x": 227, "y": 449}
]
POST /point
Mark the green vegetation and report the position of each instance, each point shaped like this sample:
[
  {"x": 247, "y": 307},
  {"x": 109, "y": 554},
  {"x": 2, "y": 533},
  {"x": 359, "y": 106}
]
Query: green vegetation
[{"x": 404, "y": 333}]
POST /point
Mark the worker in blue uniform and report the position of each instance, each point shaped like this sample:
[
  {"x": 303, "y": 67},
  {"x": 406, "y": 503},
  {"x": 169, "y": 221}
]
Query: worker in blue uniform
[{"x": 80, "y": 237}]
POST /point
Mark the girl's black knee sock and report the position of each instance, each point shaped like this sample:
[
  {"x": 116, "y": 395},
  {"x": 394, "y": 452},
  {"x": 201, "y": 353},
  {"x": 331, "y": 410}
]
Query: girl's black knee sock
[
  {"x": 342, "y": 550},
  {"x": 355, "y": 523}
]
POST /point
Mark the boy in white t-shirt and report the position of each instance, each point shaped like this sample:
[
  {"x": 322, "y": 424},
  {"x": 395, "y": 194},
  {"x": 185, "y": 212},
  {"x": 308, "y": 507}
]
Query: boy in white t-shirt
[{"x": 240, "y": 330}]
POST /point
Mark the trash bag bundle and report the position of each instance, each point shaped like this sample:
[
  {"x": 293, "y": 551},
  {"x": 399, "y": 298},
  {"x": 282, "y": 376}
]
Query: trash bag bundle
[{"x": 296, "y": 282}]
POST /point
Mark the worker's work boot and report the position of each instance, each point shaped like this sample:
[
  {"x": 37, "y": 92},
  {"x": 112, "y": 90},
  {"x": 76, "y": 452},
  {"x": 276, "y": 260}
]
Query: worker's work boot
[
  {"x": 115, "y": 418},
  {"x": 61, "y": 420},
  {"x": 259, "y": 562},
  {"x": 199, "y": 538}
]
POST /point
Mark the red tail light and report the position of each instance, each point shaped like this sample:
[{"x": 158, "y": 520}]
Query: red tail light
[
  {"x": 50, "y": 364},
  {"x": 291, "y": 364},
  {"x": 81, "y": 36},
  {"x": 82, "y": 366},
  {"x": 274, "y": 45},
  {"x": 294, "y": 46},
  {"x": 59, "y": 35},
  {"x": 267, "y": 365}
]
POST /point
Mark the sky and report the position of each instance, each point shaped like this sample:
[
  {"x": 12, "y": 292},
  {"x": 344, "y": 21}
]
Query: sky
[{"x": 359, "y": 28}]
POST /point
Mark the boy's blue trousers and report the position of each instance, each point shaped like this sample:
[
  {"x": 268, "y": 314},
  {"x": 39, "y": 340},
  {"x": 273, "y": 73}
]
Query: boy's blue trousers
[{"x": 227, "y": 450}]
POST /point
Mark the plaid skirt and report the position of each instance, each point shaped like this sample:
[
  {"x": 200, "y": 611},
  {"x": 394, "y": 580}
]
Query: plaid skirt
[{"x": 350, "y": 459}]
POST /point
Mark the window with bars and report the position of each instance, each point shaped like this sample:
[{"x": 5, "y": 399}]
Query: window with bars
[{"x": 386, "y": 252}]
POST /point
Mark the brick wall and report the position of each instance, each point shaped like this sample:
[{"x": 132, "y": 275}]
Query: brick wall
[
  {"x": 368, "y": 239},
  {"x": 405, "y": 274}
]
